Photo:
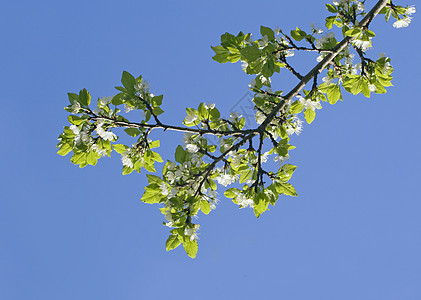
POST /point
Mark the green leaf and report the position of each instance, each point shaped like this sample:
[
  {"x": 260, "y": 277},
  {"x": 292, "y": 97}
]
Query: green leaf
[
  {"x": 230, "y": 193},
  {"x": 128, "y": 81},
  {"x": 331, "y": 8},
  {"x": 154, "y": 179},
  {"x": 92, "y": 158},
  {"x": 221, "y": 54},
  {"x": 333, "y": 93},
  {"x": 268, "y": 32},
  {"x": 152, "y": 194},
  {"x": 261, "y": 203},
  {"x": 298, "y": 34},
  {"x": 132, "y": 131},
  {"x": 296, "y": 107},
  {"x": 180, "y": 154},
  {"x": 173, "y": 242},
  {"x": 353, "y": 32},
  {"x": 64, "y": 149},
  {"x": 84, "y": 97},
  {"x": 309, "y": 114},
  {"x": 285, "y": 188},
  {"x": 120, "y": 148},
  {"x": 157, "y": 111},
  {"x": 75, "y": 120},
  {"x": 251, "y": 53},
  {"x": 329, "y": 21},
  {"x": 245, "y": 175},
  {"x": 205, "y": 207},
  {"x": 73, "y": 97},
  {"x": 191, "y": 247},
  {"x": 157, "y": 100}
]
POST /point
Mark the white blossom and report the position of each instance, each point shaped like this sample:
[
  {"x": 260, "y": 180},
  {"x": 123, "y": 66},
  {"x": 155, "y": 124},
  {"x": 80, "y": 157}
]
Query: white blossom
[
  {"x": 75, "y": 129},
  {"x": 252, "y": 83},
  {"x": 277, "y": 30},
  {"x": 264, "y": 157},
  {"x": 243, "y": 201},
  {"x": 191, "y": 232},
  {"x": 410, "y": 10},
  {"x": 75, "y": 107},
  {"x": 324, "y": 39},
  {"x": 106, "y": 135},
  {"x": 164, "y": 189},
  {"x": 260, "y": 117},
  {"x": 235, "y": 116},
  {"x": 244, "y": 66},
  {"x": 363, "y": 45},
  {"x": 315, "y": 29},
  {"x": 281, "y": 158},
  {"x": 192, "y": 148},
  {"x": 308, "y": 103},
  {"x": 214, "y": 201},
  {"x": 191, "y": 118},
  {"x": 209, "y": 105},
  {"x": 172, "y": 193},
  {"x": 105, "y": 100},
  {"x": 402, "y": 22},
  {"x": 263, "y": 42},
  {"x": 372, "y": 87},
  {"x": 168, "y": 218},
  {"x": 128, "y": 108},
  {"x": 226, "y": 179},
  {"x": 126, "y": 160}
]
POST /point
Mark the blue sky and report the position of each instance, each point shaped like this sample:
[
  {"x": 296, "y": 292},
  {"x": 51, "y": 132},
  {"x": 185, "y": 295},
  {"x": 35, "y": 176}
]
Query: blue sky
[{"x": 354, "y": 232}]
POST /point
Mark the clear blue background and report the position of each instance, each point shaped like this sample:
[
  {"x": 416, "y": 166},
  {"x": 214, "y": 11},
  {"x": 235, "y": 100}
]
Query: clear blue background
[{"x": 354, "y": 232}]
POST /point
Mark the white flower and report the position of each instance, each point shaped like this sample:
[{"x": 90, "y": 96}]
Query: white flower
[
  {"x": 192, "y": 148},
  {"x": 244, "y": 66},
  {"x": 168, "y": 218},
  {"x": 263, "y": 42},
  {"x": 288, "y": 53},
  {"x": 372, "y": 87},
  {"x": 226, "y": 179},
  {"x": 191, "y": 232},
  {"x": 315, "y": 29},
  {"x": 106, "y": 135},
  {"x": 214, "y": 202},
  {"x": 280, "y": 158},
  {"x": 327, "y": 79},
  {"x": 410, "y": 10},
  {"x": 252, "y": 83},
  {"x": 128, "y": 108},
  {"x": 324, "y": 39},
  {"x": 191, "y": 118},
  {"x": 363, "y": 45},
  {"x": 141, "y": 85},
  {"x": 296, "y": 127},
  {"x": 243, "y": 201},
  {"x": 308, "y": 103},
  {"x": 125, "y": 159},
  {"x": 264, "y": 157},
  {"x": 402, "y": 22},
  {"x": 235, "y": 116},
  {"x": 260, "y": 117},
  {"x": 360, "y": 6},
  {"x": 75, "y": 107},
  {"x": 170, "y": 176},
  {"x": 172, "y": 193},
  {"x": 164, "y": 189},
  {"x": 277, "y": 30},
  {"x": 105, "y": 100},
  {"x": 209, "y": 105},
  {"x": 75, "y": 129}
]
